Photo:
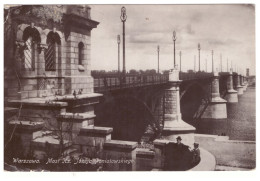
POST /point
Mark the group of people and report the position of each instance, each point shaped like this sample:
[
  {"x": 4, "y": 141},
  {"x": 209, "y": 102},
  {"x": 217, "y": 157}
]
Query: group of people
[
  {"x": 182, "y": 157},
  {"x": 195, "y": 151}
]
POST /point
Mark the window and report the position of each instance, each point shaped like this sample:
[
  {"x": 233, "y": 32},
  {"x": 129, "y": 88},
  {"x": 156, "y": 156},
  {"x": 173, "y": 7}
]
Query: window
[
  {"x": 81, "y": 53},
  {"x": 28, "y": 62},
  {"x": 31, "y": 39},
  {"x": 51, "y": 53}
]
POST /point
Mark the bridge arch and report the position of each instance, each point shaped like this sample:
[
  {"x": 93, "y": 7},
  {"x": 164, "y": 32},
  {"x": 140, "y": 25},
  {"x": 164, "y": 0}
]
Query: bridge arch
[
  {"x": 127, "y": 114},
  {"x": 191, "y": 99}
]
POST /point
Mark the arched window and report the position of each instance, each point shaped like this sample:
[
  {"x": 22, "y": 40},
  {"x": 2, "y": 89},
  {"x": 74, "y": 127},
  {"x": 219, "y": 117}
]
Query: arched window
[
  {"x": 50, "y": 54},
  {"x": 81, "y": 53},
  {"x": 31, "y": 39}
]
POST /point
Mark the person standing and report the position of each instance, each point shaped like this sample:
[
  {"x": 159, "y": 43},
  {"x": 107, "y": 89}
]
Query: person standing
[{"x": 196, "y": 154}]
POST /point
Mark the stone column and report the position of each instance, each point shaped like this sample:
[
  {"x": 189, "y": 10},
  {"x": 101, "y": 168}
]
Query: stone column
[
  {"x": 216, "y": 108},
  {"x": 239, "y": 88},
  {"x": 231, "y": 93},
  {"x": 174, "y": 126}
]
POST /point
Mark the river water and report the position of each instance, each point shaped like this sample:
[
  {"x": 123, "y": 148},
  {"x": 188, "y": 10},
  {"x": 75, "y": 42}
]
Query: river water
[{"x": 241, "y": 121}]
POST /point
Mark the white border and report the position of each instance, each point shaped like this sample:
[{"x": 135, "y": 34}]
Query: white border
[{"x": 238, "y": 175}]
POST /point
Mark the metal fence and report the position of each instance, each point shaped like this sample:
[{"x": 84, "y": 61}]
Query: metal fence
[
  {"x": 115, "y": 81},
  {"x": 107, "y": 82}
]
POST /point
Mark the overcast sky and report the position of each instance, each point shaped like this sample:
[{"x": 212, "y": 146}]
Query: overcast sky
[{"x": 227, "y": 29}]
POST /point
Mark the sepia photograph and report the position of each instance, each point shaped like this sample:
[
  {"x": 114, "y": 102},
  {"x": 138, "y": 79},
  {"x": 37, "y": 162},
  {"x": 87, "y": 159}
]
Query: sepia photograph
[{"x": 129, "y": 87}]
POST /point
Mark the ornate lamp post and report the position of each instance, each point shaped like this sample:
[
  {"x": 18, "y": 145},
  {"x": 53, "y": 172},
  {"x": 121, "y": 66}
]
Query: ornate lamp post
[
  {"x": 220, "y": 62},
  {"x": 118, "y": 43},
  {"x": 206, "y": 65},
  {"x": 174, "y": 39},
  {"x": 199, "y": 56},
  {"x": 180, "y": 61},
  {"x": 227, "y": 64},
  {"x": 212, "y": 52},
  {"x": 194, "y": 63},
  {"x": 158, "y": 50},
  {"x": 123, "y": 19}
]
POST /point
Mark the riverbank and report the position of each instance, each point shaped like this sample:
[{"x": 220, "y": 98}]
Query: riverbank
[{"x": 229, "y": 154}]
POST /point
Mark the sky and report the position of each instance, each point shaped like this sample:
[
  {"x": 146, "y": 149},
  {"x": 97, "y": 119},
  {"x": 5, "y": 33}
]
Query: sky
[{"x": 229, "y": 30}]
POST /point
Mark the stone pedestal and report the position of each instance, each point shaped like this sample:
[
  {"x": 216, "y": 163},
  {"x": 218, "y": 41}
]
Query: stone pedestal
[
  {"x": 26, "y": 131},
  {"x": 217, "y": 108},
  {"x": 231, "y": 96},
  {"x": 144, "y": 159},
  {"x": 73, "y": 122},
  {"x": 119, "y": 155},
  {"x": 160, "y": 153},
  {"x": 174, "y": 126},
  {"x": 91, "y": 139}
]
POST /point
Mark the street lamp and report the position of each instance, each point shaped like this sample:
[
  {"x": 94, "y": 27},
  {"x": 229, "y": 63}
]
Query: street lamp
[
  {"x": 174, "y": 39},
  {"x": 212, "y": 52},
  {"x": 199, "y": 56},
  {"x": 123, "y": 18},
  {"x": 194, "y": 63},
  {"x": 220, "y": 62},
  {"x": 206, "y": 65},
  {"x": 227, "y": 65},
  {"x": 158, "y": 50},
  {"x": 180, "y": 61},
  {"x": 118, "y": 43}
]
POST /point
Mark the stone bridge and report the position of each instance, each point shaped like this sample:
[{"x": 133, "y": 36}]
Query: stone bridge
[{"x": 137, "y": 102}]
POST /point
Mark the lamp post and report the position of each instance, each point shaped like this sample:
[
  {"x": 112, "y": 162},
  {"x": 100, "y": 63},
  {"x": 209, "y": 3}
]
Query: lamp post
[
  {"x": 158, "y": 50},
  {"x": 174, "y": 39},
  {"x": 199, "y": 56},
  {"x": 220, "y": 62},
  {"x": 212, "y": 52},
  {"x": 206, "y": 65},
  {"x": 118, "y": 43},
  {"x": 123, "y": 19},
  {"x": 227, "y": 64},
  {"x": 194, "y": 63},
  {"x": 180, "y": 61}
]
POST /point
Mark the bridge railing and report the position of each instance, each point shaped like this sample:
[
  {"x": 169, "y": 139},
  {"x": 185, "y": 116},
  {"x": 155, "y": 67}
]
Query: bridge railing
[
  {"x": 107, "y": 82},
  {"x": 194, "y": 75}
]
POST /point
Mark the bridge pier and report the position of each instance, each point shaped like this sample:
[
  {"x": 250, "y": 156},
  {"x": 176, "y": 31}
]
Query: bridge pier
[
  {"x": 243, "y": 83},
  {"x": 246, "y": 83},
  {"x": 174, "y": 126},
  {"x": 216, "y": 109},
  {"x": 231, "y": 96},
  {"x": 239, "y": 88}
]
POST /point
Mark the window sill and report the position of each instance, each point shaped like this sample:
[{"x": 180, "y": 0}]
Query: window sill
[{"x": 81, "y": 68}]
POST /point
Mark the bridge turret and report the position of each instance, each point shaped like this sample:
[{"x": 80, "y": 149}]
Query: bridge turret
[
  {"x": 174, "y": 126},
  {"x": 231, "y": 93},
  {"x": 216, "y": 108}
]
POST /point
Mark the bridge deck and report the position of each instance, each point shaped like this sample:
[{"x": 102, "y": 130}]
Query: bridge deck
[{"x": 110, "y": 82}]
